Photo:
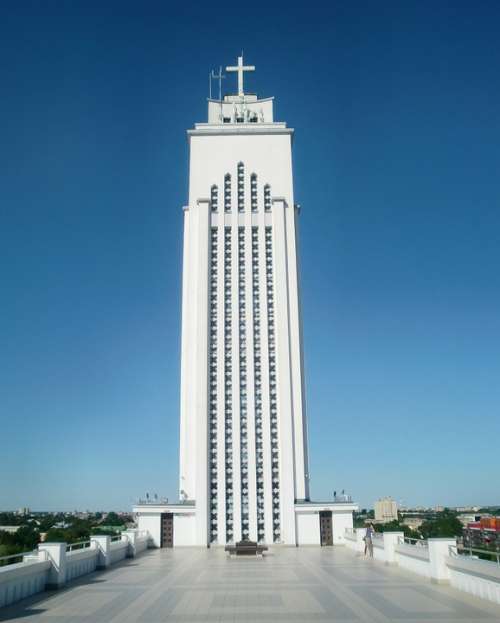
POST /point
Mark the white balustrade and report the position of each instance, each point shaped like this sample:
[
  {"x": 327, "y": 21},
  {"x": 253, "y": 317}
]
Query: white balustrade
[
  {"x": 437, "y": 559},
  {"x": 55, "y": 564}
]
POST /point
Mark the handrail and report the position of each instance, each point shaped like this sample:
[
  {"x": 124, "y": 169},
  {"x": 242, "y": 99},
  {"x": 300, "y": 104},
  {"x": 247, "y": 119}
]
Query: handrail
[
  {"x": 118, "y": 537},
  {"x": 78, "y": 545},
  {"x": 402, "y": 540},
  {"x": 11, "y": 557},
  {"x": 458, "y": 551}
]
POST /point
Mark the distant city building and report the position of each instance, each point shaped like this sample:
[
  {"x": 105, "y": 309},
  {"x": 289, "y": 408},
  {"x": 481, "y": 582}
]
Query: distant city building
[
  {"x": 467, "y": 518},
  {"x": 413, "y": 522},
  {"x": 484, "y": 533},
  {"x": 10, "y": 529},
  {"x": 386, "y": 509},
  {"x": 23, "y": 511}
]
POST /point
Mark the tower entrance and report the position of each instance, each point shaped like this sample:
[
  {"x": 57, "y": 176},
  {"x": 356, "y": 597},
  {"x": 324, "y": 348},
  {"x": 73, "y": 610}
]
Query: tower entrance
[
  {"x": 326, "y": 528},
  {"x": 167, "y": 530}
]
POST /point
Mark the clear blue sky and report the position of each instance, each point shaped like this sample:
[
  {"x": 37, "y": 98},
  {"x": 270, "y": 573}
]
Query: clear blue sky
[{"x": 397, "y": 152}]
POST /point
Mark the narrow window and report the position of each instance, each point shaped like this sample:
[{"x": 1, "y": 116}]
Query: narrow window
[
  {"x": 241, "y": 187},
  {"x": 253, "y": 191}
]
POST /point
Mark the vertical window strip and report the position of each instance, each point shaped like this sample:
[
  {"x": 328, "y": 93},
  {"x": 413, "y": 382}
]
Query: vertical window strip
[
  {"x": 253, "y": 192},
  {"x": 259, "y": 447},
  {"x": 213, "y": 386},
  {"x": 241, "y": 187},
  {"x": 227, "y": 193},
  {"x": 272, "y": 386},
  {"x": 214, "y": 198},
  {"x": 228, "y": 384},
  {"x": 267, "y": 198},
  {"x": 243, "y": 385}
]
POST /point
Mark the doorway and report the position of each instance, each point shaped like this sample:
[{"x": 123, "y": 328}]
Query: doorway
[
  {"x": 325, "y": 528},
  {"x": 167, "y": 530}
]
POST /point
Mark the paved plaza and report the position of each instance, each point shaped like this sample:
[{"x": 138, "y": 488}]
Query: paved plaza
[{"x": 290, "y": 584}]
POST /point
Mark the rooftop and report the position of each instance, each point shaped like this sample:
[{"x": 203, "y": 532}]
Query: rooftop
[{"x": 290, "y": 584}]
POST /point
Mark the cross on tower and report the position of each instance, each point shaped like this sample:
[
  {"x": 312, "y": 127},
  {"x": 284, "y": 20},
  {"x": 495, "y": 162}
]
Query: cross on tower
[{"x": 240, "y": 69}]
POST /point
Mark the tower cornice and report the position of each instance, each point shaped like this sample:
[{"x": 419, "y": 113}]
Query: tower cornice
[{"x": 211, "y": 129}]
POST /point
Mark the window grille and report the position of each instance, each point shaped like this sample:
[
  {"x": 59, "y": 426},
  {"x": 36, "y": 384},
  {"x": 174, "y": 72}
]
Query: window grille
[
  {"x": 253, "y": 192},
  {"x": 272, "y": 384},
  {"x": 267, "y": 198},
  {"x": 212, "y": 417},
  {"x": 214, "y": 198},
  {"x": 227, "y": 193},
  {"x": 241, "y": 187}
]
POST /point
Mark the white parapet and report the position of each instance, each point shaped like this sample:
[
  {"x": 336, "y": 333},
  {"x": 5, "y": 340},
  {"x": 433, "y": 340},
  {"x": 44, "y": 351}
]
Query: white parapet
[
  {"x": 56, "y": 553},
  {"x": 436, "y": 559},
  {"x": 354, "y": 538},
  {"x": 390, "y": 540},
  {"x": 81, "y": 561},
  {"x": 438, "y": 555},
  {"x": 55, "y": 564},
  {"x": 474, "y": 576},
  {"x": 23, "y": 579},
  {"x": 414, "y": 556},
  {"x": 102, "y": 543}
]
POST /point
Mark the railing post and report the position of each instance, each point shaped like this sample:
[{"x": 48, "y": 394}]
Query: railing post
[
  {"x": 438, "y": 553},
  {"x": 131, "y": 535},
  {"x": 56, "y": 553},
  {"x": 391, "y": 539},
  {"x": 360, "y": 535},
  {"x": 103, "y": 544}
]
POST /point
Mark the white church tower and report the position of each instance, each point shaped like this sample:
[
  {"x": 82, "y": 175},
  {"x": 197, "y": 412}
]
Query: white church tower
[{"x": 243, "y": 433}]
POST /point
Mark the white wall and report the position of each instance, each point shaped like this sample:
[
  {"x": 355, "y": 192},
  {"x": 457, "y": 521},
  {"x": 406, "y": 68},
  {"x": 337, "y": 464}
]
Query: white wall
[
  {"x": 141, "y": 544},
  {"x": 118, "y": 551},
  {"x": 477, "y": 577},
  {"x": 341, "y": 522},
  {"x": 264, "y": 149},
  {"x": 379, "y": 549},
  {"x": 307, "y": 526},
  {"x": 22, "y": 580},
  {"x": 184, "y": 529},
  {"x": 80, "y": 562},
  {"x": 151, "y": 522},
  {"x": 414, "y": 558},
  {"x": 267, "y": 155}
]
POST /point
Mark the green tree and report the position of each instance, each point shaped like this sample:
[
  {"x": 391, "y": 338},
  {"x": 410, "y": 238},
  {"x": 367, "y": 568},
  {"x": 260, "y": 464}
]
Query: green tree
[
  {"x": 11, "y": 519},
  {"x": 395, "y": 526},
  {"x": 446, "y": 525},
  {"x": 112, "y": 519},
  {"x": 56, "y": 535}
]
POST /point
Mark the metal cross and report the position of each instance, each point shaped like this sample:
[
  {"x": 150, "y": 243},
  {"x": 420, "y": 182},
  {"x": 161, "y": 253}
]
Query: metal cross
[{"x": 240, "y": 69}]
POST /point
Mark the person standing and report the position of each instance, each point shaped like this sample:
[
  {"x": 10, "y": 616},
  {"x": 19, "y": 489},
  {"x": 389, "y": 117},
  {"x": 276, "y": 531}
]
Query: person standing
[{"x": 369, "y": 540}]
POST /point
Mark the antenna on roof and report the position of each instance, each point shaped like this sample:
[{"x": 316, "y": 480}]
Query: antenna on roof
[{"x": 220, "y": 77}]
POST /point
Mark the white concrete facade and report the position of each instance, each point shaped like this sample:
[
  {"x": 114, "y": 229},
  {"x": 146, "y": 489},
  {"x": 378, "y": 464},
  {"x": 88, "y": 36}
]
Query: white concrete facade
[
  {"x": 243, "y": 433},
  {"x": 307, "y": 521},
  {"x": 243, "y": 446},
  {"x": 184, "y": 519}
]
